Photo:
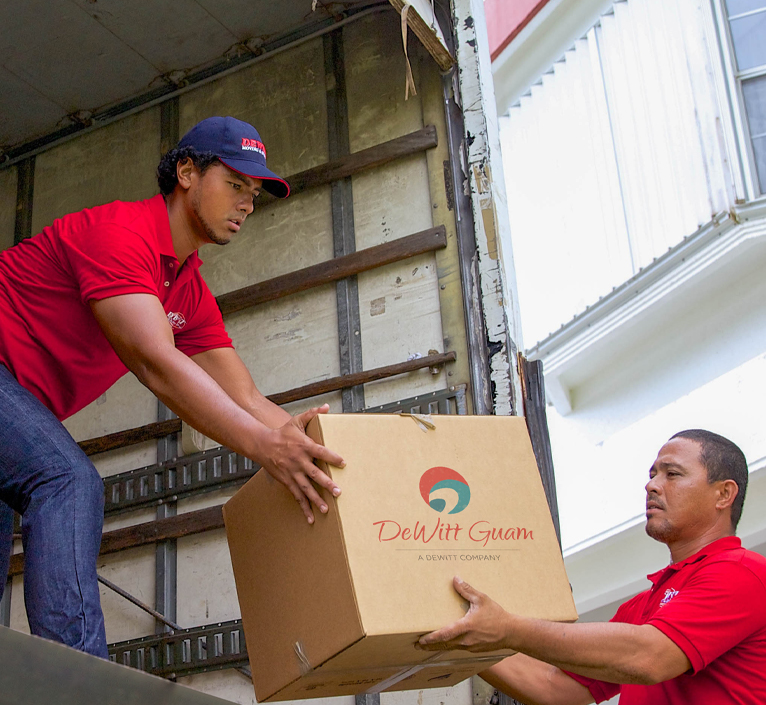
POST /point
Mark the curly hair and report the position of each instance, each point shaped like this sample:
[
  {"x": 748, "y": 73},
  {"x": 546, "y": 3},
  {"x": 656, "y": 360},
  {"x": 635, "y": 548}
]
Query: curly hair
[{"x": 167, "y": 178}]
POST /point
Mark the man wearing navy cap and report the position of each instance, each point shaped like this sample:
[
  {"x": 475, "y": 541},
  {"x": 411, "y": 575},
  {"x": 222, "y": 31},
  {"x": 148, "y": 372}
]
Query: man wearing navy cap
[{"x": 118, "y": 288}]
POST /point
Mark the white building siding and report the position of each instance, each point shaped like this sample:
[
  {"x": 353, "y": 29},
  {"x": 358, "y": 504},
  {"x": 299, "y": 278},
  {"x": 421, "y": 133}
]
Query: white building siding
[{"x": 623, "y": 149}]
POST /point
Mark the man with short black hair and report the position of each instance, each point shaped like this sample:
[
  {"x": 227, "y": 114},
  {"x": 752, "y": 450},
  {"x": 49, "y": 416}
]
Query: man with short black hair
[
  {"x": 117, "y": 288},
  {"x": 697, "y": 636}
]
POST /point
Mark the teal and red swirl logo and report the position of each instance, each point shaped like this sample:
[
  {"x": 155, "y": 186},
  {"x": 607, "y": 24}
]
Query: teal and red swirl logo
[{"x": 440, "y": 478}]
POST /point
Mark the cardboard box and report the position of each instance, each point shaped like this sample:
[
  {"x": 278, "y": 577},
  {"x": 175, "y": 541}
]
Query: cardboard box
[{"x": 336, "y": 608}]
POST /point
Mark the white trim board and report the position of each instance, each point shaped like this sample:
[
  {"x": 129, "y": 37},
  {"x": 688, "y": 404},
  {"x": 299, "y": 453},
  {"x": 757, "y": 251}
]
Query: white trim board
[{"x": 593, "y": 336}]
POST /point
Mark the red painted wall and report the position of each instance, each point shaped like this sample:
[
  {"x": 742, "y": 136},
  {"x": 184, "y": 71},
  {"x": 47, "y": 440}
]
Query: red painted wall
[{"x": 506, "y": 18}]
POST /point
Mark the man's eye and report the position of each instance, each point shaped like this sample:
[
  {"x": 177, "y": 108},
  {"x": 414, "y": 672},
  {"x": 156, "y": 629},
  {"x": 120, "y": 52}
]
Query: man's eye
[{"x": 236, "y": 187}]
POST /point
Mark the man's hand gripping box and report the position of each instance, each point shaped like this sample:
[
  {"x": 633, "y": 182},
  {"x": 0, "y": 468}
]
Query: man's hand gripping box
[{"x": 336, "y": 608}]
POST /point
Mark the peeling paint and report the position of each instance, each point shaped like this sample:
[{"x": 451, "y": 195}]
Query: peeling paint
[
  {"x": 287, "y": 335},
  {"x": 481, "y": 147},
  {"x": 378, "y": 306},
  {"x": 293, "y": 313},
  {"x": 488, "y": 219}
]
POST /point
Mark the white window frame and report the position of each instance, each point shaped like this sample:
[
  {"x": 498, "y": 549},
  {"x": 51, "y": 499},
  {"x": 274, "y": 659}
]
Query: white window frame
[{"x": 735, "y": 78}]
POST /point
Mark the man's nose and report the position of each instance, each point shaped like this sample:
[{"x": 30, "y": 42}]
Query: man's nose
[{"x": 247, "y": 206}]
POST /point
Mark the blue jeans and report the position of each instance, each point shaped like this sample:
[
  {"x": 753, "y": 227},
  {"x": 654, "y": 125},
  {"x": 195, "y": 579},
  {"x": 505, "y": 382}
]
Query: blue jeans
[{"x": 45, "y": 477}]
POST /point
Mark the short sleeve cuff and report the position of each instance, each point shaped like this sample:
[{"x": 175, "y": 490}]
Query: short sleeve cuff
[
  {"x": 107, "y": 291},
  {"x": 600, "y": 690},
  {"x": 690, "y": 651}
]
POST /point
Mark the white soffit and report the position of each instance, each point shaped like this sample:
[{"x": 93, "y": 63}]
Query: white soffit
[
  {"x": 607, "y": 329},
  {"x": 540, "y": 44}
]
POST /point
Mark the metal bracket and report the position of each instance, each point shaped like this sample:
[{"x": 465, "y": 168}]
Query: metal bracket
[
  {"x": 182, "y": 653},
  {"x": 447, "y": 401},
  {"x": 176, "y": 478}
]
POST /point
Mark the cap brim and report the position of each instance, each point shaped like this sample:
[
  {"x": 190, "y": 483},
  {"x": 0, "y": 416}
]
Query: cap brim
[{"x": 272, "y": 183}]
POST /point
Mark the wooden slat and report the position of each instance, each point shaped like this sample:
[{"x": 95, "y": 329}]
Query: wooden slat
[
  {"x": 334, "y": 269},
  {"x": 335, "y": 383},
  {"x": 431, "y": 41},
  {"x": 351, "y": 164},
  {"x": 149, "y": 532},
  {"x": 121, "y": 439}
]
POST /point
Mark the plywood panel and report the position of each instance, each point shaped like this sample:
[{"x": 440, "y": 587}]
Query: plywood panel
[
  {"x": 275, "y": 240},
  {"x": 447, "y": 260},
  {"x": 8, "y": 180},
  {"x": 289, "y": 342},
  {"x": 206, "y": 590},
  {"x": 117, "y": 162},
  {"x": 392, "y": 201},
  {"x": 133, "y": 571},
  {"x": 126, "y": 405},
  {"x": 375, "y": 82},
  {"x": 283, "y": 97},
  {"x": 399, "y": 304},
  {"x": 400, "y": 319}
]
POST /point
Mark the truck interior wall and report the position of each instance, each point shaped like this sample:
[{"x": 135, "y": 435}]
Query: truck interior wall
[
  {"x": 8, "y": 185},
  {"x": 406, "y": 308}
]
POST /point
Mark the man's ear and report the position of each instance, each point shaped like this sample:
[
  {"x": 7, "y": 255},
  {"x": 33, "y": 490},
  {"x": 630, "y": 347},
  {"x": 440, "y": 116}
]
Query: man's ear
[
  {"x": 184, "y": 171},
  {"x": 727, "y": 493}
]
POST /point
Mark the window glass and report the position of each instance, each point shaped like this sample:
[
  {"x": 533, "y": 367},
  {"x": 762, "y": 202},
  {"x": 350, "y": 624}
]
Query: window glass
[
  {"x": 737, "y": 7},
  {"x": 754, "y": 93},
  {"x": 748, "y": 35}
]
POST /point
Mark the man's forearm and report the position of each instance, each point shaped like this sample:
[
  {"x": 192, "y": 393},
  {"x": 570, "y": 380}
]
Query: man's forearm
[
  {"x": 226, "y": 367},
  {"x": 612, "y": 652},
  {"x": 185, "y": 388},
  {"x": 534, "y": 682}
]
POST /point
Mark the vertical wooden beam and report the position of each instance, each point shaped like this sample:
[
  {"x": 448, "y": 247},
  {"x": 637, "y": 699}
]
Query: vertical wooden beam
[
  {"x": 442, "y": 191},
  {"x": 456, "y": 170},
  {"x": 166, "y": 553},
  {"x": 533, "y": 390},
  {"x": 24, "y": 195},
  {"x": 344, "y": 239},
  {"x": 484, "y": 184}
]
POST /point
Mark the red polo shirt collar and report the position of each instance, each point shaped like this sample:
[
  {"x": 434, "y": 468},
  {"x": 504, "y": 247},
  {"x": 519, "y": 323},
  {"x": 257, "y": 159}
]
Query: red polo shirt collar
[
  {"x": 727, "y": 543},
  {"x": 159, "y": 210}
]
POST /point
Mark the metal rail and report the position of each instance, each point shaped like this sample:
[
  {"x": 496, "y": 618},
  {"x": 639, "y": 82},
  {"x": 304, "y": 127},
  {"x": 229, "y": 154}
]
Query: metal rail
[
  {"x": 186, "y": 651},
  {"x": 176, "y": 478}
]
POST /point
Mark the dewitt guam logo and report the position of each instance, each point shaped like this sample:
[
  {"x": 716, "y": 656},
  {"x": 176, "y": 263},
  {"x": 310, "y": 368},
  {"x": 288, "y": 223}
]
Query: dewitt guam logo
[
  {"x": 440, "y": 478},
  {"x": 176, "y": 320}
]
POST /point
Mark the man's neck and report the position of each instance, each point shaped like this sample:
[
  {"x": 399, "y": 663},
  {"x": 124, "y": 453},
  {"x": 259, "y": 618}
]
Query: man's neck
[
  {"x": 685, "y": 548},
  {"x": 184, "y": 240}
]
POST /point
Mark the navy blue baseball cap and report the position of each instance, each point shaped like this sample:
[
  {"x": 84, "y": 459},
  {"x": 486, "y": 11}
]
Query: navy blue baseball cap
[{"x": 238, "y": 145}]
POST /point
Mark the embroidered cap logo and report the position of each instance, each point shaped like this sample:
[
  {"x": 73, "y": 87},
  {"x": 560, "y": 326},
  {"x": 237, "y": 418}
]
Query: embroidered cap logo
[{"x": 254, "y": 146}]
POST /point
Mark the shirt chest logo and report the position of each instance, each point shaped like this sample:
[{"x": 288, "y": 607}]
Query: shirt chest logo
[
  {"x": 176, "y": 320},
  {"x": 670, "y": 593}
]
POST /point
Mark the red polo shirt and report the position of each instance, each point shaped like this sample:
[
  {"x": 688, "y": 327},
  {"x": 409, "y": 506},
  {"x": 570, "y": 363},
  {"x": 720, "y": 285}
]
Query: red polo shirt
[
  {"x": 713, "y": 607},
  {"x": 49, "y": 339}
]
